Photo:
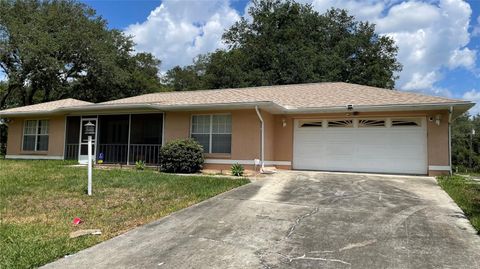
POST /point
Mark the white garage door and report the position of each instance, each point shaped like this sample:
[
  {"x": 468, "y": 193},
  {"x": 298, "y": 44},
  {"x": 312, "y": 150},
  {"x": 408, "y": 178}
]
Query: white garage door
[{"x": 383, "y": 145}]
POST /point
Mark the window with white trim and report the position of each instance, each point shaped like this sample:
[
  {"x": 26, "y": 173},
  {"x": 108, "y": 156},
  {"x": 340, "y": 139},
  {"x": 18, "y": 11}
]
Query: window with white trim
[
  {"x": 35, "y": 135},
  {"x": 213, "y": 132}
]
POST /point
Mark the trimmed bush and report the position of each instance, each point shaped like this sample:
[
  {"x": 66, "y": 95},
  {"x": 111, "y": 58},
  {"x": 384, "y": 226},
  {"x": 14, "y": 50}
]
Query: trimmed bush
[
  {"x": 237, "y": 170},
  {"x": 181, "y": 156}
]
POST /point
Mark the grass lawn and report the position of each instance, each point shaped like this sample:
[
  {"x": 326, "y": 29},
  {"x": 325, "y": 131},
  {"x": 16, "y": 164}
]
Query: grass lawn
[
  {"x": 39, "y": 199},
  {"x": 466, "y": 193}
]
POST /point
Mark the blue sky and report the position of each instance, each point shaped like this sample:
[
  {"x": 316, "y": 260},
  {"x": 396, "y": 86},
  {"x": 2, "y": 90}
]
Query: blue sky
[{"x": 439, "y": 40}]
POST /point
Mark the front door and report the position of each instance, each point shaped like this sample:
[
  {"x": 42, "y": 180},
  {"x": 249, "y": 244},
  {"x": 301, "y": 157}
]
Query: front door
[{"x": 83, "y": 152}]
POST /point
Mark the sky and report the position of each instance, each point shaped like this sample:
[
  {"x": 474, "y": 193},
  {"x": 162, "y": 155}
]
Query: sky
[{"x": 438, "y": 40}]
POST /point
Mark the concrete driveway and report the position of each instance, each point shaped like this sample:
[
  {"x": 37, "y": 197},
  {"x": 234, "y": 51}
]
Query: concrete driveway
[{"x": 302, "y": 220}]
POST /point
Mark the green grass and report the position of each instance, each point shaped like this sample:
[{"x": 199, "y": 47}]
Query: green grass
[
  {"x": 39, "y": 199},
  {"x": 466, "y": 193}
]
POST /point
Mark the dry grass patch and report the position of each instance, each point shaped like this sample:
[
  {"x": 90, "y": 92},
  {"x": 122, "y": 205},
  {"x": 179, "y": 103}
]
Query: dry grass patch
[{"x": 39, "y": 199}]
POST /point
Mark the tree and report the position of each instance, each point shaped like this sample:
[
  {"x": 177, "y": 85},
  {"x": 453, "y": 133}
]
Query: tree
[
  {"x": 464, "y": 154},
  {"x": 60, "y": 48},
  {"x": 286, "y": 42}
]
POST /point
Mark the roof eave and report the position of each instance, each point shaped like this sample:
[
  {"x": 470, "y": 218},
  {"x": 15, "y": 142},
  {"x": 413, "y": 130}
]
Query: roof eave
[
  {"x": 163, "y": 107},
  {"x": 102, "y": 108},
  {"x": 460, "y": 107}
]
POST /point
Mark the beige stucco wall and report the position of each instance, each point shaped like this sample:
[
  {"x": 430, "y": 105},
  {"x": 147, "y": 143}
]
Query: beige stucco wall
[
  {"x": 56, "y": 137},
  {"x": 177, "y": 125},
  {"x": 245, "y": 132}
]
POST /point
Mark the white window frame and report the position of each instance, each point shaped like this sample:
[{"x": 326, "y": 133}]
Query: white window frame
[
  {"x": 37, "y": 121},
  {"x": 210, "y": 132}
]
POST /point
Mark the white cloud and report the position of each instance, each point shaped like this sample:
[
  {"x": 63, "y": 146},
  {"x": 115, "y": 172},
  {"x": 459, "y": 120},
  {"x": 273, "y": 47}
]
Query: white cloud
[
  {"x": 432, "y": 36},
  {"x": 177, "y": 31},
  {"x": 473, "y": 95},
  {"x": 463, "y": 57},
  {"x": 363, "y": 10},
  {"x": 420, "y": 80},
  {"x": 476, "y": 28}
]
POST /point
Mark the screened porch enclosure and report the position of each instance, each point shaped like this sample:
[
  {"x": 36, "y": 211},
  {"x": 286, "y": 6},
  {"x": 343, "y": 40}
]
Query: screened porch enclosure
[{"x": 119, "y": 139}]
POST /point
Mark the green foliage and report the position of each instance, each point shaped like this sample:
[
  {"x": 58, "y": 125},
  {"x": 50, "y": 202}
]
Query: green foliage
[
  {"x": 51, "y": 50},
  {"x": 286, "y": 43},
  {"x": 466, "y": 156},
  {"x": 140, "y": 165},
  {"x": 466, "y": 193},
  {"x": 39, "y": 199},
  {"x": 181, "y": 156},
  {"x": 237, "y": 170}
]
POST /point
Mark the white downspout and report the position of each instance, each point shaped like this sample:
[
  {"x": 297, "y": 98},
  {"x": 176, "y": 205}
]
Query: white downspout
[
  {"x": 450, "y": 112},
  {"x": 262, "y": 142}
]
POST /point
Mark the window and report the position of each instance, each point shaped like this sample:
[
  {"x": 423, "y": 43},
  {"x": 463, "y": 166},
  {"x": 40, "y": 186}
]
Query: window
[
  {"x": 340, "y": 123},
  {"x": 406, "y": 122},
  {"x": 371, "y": 123},
  {"x": 35, "y": 135},
  {"x": 213, "y": 132},
  {"x": 315, "y": 123}
]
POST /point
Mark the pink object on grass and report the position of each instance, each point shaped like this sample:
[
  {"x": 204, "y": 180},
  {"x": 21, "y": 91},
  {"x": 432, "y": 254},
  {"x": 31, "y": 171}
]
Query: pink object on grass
[{"x": 77, "y": 221}]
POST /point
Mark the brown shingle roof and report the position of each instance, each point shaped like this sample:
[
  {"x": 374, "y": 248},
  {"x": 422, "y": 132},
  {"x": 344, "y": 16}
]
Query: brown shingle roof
[
  {"x": 313, "y": 95},
  {"x": 48, "y": 106},
  {"x": 285, "y": 98}
]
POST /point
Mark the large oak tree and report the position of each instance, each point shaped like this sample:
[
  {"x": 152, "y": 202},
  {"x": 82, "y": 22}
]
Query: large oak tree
[
  {"x": 284, "y": 42},
  {"x": 55, "y": 49}
]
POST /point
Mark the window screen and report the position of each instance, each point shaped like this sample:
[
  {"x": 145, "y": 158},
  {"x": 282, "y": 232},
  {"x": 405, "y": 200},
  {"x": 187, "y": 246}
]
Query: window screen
[{"x": 146, "y": 129}]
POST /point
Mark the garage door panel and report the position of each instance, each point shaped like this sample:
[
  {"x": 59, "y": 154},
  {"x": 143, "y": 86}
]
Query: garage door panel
[{"x": 376, "y": 149}]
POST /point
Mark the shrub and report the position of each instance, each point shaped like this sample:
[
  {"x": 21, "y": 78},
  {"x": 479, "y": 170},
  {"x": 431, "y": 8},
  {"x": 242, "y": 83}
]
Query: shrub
[
  {"x": 140, "y": 165},
  {"x": 181, "y": 156},
  {"x": 237, "y": 170}
]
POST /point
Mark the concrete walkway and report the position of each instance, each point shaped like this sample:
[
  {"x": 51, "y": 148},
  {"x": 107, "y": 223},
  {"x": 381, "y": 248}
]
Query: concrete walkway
[{"x": 302, "y": 220}]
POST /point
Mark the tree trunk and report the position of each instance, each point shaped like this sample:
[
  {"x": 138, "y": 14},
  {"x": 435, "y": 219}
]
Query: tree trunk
[{"x": 3, "y": 100}]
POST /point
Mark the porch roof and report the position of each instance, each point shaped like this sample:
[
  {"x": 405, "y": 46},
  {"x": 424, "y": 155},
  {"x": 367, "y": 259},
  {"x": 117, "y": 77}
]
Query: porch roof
[{"x": 42, "y": 108}]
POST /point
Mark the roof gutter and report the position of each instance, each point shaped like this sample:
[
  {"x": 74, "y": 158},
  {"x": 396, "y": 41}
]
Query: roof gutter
[
  {"x": 393, "y": 107},
  {"x": 269, "y": 105},
  {"x": 148, "y": 106}
]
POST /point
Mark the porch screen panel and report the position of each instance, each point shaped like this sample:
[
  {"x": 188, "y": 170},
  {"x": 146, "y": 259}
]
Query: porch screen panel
[
  {"x": 72, "y": 138},
  {"x": 146, "y": 137},
  {"x": 113, "y": 138}
]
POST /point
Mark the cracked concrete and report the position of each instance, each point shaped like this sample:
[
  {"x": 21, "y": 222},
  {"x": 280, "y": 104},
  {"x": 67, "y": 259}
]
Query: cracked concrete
[{"x": 302, "y": 220}]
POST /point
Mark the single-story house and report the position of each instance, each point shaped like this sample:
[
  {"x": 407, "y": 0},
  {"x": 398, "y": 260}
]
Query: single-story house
[{"x": 315, "y": 126}]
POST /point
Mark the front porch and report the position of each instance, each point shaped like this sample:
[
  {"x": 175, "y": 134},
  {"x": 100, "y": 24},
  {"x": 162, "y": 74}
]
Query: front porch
[{"x": 118, "y": 139}]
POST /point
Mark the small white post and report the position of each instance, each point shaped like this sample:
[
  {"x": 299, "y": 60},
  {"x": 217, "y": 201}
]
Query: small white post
[{"x": 89, "y": 165}]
